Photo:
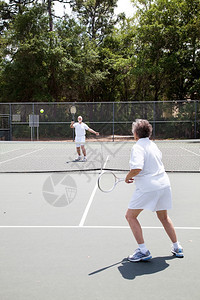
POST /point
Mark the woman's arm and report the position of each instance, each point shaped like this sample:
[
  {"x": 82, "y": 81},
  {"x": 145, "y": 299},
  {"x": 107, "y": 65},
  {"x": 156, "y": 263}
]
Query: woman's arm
[{"x": 132, "y": 173}]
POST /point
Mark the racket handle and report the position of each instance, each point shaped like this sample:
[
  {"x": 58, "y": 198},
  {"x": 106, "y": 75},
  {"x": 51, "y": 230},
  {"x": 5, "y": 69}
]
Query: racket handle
[{"x": 121, "y": 179}]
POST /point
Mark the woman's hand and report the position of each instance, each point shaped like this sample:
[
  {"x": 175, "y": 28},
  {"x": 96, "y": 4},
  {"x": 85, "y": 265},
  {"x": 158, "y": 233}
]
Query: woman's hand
[
  {"x": 129, "y": 180},
  {"x": 132, "y": 173}
]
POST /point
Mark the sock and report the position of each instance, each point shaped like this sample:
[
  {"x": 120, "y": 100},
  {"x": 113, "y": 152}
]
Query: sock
[
  {"x": 143, "y": 248},
  {"x": 176, "y": 245}
]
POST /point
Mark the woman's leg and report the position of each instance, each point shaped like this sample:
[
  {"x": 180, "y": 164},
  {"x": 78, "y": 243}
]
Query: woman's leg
[
  {"x": 134, "y": 224},
  {"x": 167, "y": 224}
]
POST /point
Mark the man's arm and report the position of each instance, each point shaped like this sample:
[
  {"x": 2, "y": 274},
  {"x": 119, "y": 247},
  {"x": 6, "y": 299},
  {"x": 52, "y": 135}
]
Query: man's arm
[
  {"x": 92, "y": 131},
  {"x": 132, "y": 173},
  {"x": 71, "y": 125}
]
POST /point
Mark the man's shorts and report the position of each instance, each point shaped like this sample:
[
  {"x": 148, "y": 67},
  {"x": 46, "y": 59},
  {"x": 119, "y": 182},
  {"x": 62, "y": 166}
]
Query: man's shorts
[
  {"x": 154, "y": 200},
  {"x": 80, "y": 141}
]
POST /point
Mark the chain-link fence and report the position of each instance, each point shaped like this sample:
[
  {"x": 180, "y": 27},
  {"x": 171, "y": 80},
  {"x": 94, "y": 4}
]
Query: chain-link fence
[{"x": 170, "y": 119}]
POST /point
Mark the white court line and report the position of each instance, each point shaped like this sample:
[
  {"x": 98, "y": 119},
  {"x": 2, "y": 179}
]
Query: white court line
[
  {"x": 4, "y": 161},
  {"x": 94, "y": 227},
  {"x": 9, "y": 151},
  {"x": 90, "y": 200},
  {"x": 190, "y": 151}
]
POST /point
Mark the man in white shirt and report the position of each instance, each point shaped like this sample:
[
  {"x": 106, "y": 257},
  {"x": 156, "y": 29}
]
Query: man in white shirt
[
  {"x": 80, "y": 131},
  {"x": 153, "y": 191}
]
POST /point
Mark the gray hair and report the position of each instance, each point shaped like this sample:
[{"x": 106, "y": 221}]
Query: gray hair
[{"x": 142, "y": 128}]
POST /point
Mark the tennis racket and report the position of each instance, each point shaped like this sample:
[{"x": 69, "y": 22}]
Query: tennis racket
[
  {"x": 73, "y": 111},
  {"x": 107, "y": 181}
]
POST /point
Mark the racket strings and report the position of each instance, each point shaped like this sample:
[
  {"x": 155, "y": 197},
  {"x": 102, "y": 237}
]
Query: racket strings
[
  {"x": 73, "y": 110},
  {"x": 107, "y": 182}
]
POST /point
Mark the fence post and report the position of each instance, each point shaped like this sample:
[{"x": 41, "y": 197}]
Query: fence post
[
  {"x": 10, "y": 121},
  {"x": 33, "y": 127},
  {"x": 195, "y": 120},
  {"x": 154, "y": 124},
  {"x": 113, "y": 121}
]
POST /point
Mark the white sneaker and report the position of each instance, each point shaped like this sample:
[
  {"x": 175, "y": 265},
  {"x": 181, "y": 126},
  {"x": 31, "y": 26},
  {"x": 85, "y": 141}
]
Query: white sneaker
[
  {"x": 138, "y": 255},
  {"x": 78, "y": 158},
  {"x": 178, "y": 252},
  {"x": 84, "y": 159}
]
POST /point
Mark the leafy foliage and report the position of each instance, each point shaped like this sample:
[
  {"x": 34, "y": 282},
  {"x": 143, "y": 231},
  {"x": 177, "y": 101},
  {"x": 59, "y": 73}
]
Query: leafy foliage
[{"x": 94, "y": 55}]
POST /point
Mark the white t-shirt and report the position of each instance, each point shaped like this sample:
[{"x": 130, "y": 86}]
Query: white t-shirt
[
  {"x": 80, "y": 129},
  {"x": 146, "y": 156}
]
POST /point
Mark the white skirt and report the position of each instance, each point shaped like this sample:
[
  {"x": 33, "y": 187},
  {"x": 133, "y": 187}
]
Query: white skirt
[{"x": 154, "y": 200}]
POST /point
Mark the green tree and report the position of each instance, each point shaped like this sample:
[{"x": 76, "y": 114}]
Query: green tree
[
  {"x": 97, "y": 16},
  {"x": 97, "y": 56},
  {"x": 25, "y": 65},
  {"x": 5, "y": 16},
  {"x": 167, "y": 45},
  {"x": 11, "y": 9},
  {"x": 117, "y": 54}
]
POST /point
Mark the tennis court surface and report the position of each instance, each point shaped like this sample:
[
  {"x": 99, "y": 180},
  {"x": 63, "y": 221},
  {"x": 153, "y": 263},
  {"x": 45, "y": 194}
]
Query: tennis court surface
[{"x": 62, "y": 238}]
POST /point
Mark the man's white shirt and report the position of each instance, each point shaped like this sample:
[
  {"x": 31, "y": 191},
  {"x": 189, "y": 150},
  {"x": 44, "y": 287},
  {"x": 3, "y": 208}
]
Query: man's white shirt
[{"x": 80, "y": 129}]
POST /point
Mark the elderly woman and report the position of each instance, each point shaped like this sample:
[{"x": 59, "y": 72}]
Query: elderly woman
[{"x": 153, "y": 191}]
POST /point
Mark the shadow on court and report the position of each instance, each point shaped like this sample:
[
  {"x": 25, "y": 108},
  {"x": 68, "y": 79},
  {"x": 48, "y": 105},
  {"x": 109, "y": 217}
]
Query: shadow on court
[{"x": 131, "y": 270}]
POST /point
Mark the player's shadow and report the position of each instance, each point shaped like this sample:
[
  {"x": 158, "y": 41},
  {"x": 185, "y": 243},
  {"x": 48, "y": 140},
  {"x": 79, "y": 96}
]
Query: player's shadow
[{"x": 131, "y": 270}]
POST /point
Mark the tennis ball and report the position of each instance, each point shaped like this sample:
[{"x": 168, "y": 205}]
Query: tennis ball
[{"x": 41, "y": 110}]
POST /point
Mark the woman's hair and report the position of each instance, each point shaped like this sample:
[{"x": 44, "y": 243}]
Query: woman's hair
[{"x": 142, "y": 128}]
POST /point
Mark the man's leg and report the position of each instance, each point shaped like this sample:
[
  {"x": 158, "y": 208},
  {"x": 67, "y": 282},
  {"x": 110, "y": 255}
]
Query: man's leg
[
  {"x": 83, "y": 150},
  {"x": 78, "y": 149}
]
